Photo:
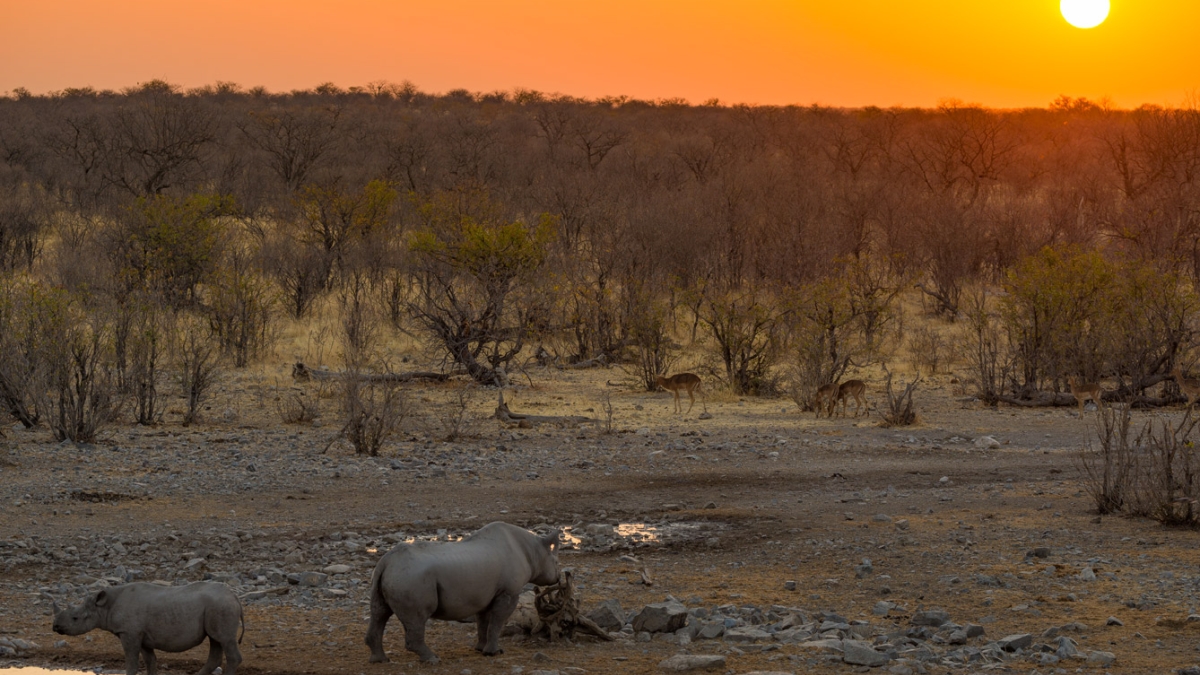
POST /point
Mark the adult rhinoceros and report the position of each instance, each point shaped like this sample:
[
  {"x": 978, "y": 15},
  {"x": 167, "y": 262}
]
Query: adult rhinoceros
[
  {"x": 480, "y": 576},
  {"x": 146, "y": 617}
]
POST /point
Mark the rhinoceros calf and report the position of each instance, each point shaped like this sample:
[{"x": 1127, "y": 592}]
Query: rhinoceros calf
[
  {"x": 480, "y": 576},
  {"x": 146, "y": 617}
]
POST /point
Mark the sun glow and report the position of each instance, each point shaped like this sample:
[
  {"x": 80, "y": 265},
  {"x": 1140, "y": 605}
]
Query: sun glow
[{"x": 1084, "y": 13}]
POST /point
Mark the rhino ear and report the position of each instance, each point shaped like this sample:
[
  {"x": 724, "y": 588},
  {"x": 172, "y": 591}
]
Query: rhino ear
[
  {"x": 552, "y": 540},
  {"x": 102, "y": 598}
]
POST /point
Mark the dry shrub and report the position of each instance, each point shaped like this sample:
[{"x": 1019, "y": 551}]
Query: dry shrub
[
  {"x": 1167, "y": 483},
  {"x": 79, "y": 390},
  {"x": 373, "y": 411},
  {"x": 198, "y": 355},
  {"x": 929, "y": 349},
  {"x": 1153, "y": 474},
  {"x": 296, "y": 409},
  {"x": 454, "y": 417},
  {"x": 1107, "y": 468},
  {"x": 899, "y": 412}
]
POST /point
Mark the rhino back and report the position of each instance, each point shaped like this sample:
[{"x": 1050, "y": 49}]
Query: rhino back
[
  {"x": 457, "y": 580},
  {"x": 170, "y": 618}
]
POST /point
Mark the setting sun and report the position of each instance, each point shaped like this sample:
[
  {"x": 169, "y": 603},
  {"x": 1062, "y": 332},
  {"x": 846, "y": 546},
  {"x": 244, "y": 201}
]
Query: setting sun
[{"x": 1085, "y": 13}]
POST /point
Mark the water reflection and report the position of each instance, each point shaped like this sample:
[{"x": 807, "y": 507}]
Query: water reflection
[{"x": 32, "y": 670}]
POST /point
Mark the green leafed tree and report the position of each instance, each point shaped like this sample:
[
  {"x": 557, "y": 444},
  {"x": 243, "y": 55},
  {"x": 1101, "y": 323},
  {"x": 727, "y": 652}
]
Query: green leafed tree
[{"x": 476, "y": 283}]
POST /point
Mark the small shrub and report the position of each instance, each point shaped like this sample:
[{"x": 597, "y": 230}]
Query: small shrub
[
  {"x": 1167, "y": 481},
  {"x": 79, "y": 390},
  {"x": 899, "y": 412},
  {"x": 455, "y": 415},
  {"x": 197, "y": 351},
  {"x": 928, "y": 348},
  {"x": 1108, "y": 467},
  {"x": 373, "y": 412},
  {"x": 296, "y": 409}
]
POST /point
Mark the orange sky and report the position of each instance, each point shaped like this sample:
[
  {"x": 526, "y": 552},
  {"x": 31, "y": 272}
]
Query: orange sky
[{"x": 1003, "y": 53}]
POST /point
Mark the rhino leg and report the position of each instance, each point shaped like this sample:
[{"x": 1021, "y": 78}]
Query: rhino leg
[
  {"x": 151, "y": 661},
  {"x": 214, "y": 657},
  {"x": 233, "y": 657},
  {"x": 494, "y": 618},
  {"x": 414, "y": 639},
  {"x": 132, "y": 644},
  {"x": 380, "y": 613}
]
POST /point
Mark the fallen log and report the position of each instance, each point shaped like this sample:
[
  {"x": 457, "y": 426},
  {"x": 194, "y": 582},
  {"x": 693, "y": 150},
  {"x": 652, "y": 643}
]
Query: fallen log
[
  {"x": 302, "y": 373},
  {"x": 505, "y": 415},
  {"x": 1065, "y": 399}
]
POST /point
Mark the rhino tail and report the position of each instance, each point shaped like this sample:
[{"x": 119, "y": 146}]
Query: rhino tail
[
  {"x": 376, "y": 585},
  {"x": 242, "y": 618}
]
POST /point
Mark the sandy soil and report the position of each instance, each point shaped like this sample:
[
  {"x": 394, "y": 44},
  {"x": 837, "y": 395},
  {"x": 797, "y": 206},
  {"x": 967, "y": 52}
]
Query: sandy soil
[{"x": 758, "y": 495}]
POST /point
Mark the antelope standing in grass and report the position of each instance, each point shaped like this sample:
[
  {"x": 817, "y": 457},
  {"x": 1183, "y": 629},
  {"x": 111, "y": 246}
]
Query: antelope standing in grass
[
  {"x": 1082, "y": 391},
  {"x": 857, "y": 389},
  {"x": 1189, "y": 387},
  {"x": 688, "y": 382},
  {"x": 825, "y": 399}
]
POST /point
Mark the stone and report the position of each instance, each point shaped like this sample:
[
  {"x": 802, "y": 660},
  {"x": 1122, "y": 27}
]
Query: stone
[
  {"x": 987, "y": 443},
  {"x": 1066, "y": 648},
  {"x": 312, "y": 579},
  {"x": 1039, "y": 552},
  {"x": 789, "y": 585},
  {"x": 863, "y": 570},
  {"x": 858, "y": 653},
  {"x": 685, "y": 662},
  {"x": 661, "y": 617},
  {"x": 1014, "y": 642},
  {"x": 746, "y": 634},
  {"x": 1101, "y": 659},
  {"x": 973, "y": 630},
  {"x": 931, "y": 617},
  {"x": 1087, "y": 574},
  {"x": 608, "y": 615},
  {"x": 1113, "y": 621},
  {"x": 711, "y": 630},
  {"x": 337, "y": 569}
]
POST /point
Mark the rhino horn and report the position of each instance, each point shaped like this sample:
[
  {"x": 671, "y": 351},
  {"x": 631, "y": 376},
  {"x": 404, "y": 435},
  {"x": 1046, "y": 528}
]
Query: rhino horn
[{"x": 53, "y": 603}]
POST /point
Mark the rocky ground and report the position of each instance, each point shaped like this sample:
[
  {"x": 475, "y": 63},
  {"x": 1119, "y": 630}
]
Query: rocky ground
[{"x": 761, "y": 539}]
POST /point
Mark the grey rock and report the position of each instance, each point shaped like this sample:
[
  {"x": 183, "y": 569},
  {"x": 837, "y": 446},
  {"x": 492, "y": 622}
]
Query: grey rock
[
  {"x": 793, "y": 636},
  {"x": 711, "y": 630},
  {"x": 746, "y": 634},
  {"x": 337, "y": 569},
  {"x": 789, "y": 585},
  {"x": 931, "y": 617},
  {"x": 608, "y": 615},
  {"x": 1087, "y": 574},
  {"x": 1113, "y": 621},
  {"x": 860, "y": 653},
  {"x": 863, "y": 570},
  {"x": 987, "y": 443},
  {"x": 974, "y": 630},
  {"x": 312, "y": 579},
  {"x": 1039, "y": 552},
  {"x": 1012, "y": 643},
  {"x": 1101, "y": 659},
  {"x": 1066, "y": 648},
  {"x": 661, "y": 617},
  {"x": 685, "y": 662}
]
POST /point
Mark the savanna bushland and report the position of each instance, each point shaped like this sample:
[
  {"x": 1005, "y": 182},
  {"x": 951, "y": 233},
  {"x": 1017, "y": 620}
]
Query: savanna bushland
[{"x": 167, "y": 255}]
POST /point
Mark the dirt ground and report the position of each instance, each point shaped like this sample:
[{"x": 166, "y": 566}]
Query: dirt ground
[{"x": 756, "y": 496}]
